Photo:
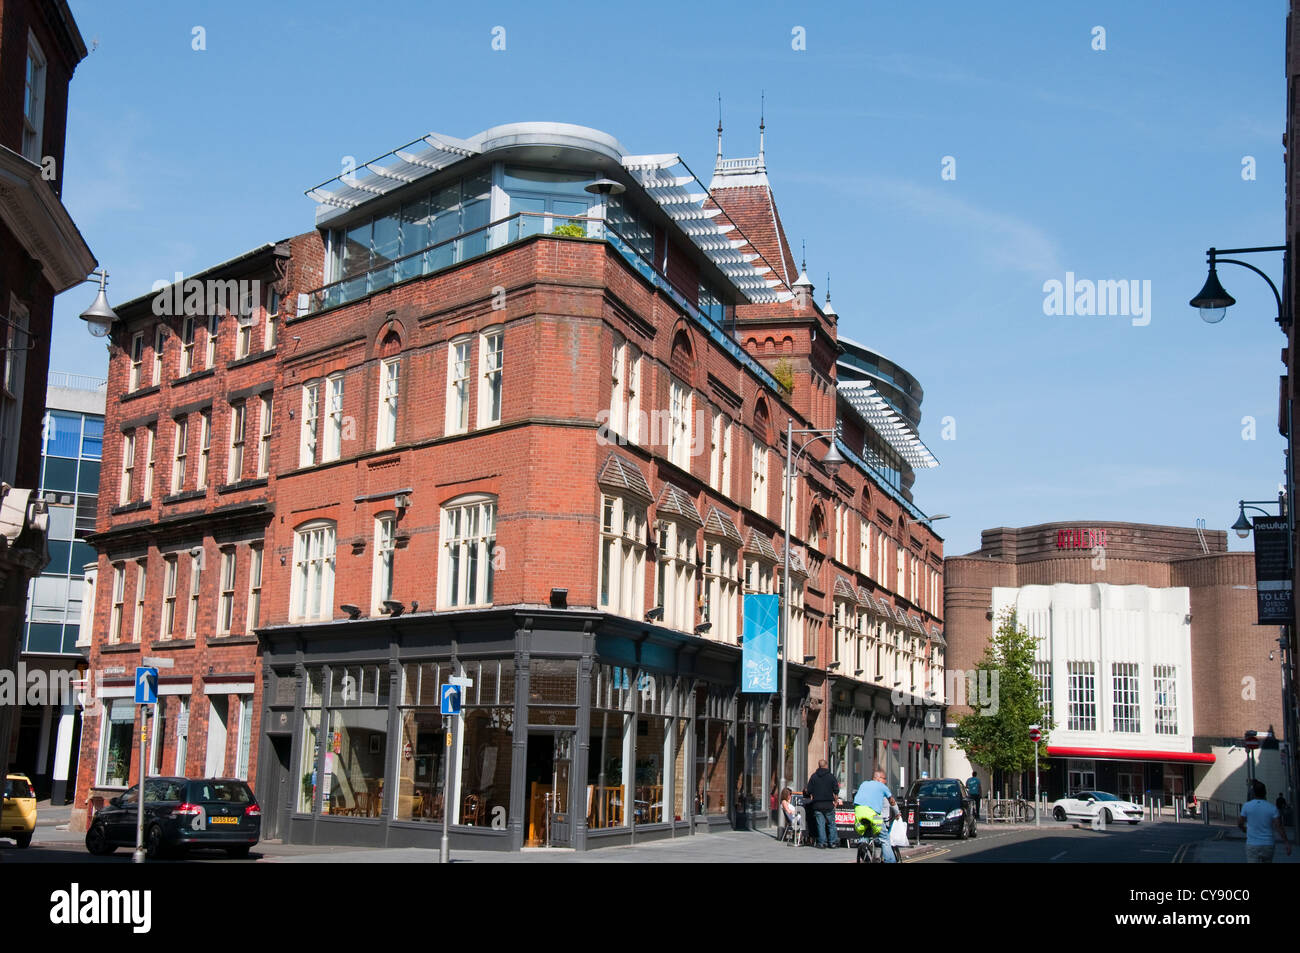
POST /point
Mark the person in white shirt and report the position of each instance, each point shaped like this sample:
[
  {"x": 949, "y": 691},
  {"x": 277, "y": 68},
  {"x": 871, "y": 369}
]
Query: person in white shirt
[{"x": 1261, "y": 821}]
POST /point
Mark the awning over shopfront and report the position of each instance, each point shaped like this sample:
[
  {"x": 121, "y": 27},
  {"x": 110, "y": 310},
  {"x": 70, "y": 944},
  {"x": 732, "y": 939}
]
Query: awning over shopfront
[{"x": 1125, "y": 754}]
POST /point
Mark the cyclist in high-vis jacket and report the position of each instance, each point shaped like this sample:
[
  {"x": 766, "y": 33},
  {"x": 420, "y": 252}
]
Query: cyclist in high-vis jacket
[{"x": 875, "y": 795}]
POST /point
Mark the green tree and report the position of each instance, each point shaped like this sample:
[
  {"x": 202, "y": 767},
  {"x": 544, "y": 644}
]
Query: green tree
[{"x": 1004, "y": 696}]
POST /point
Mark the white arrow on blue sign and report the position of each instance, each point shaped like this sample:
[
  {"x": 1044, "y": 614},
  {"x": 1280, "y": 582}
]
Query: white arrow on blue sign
[
  {"x": 146, "y": 686},
  {"x": 451, "y": 699}
]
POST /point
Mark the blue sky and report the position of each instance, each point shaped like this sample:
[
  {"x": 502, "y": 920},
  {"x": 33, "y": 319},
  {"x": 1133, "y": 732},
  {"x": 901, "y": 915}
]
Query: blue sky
[{"x": 1123, "y": 163}]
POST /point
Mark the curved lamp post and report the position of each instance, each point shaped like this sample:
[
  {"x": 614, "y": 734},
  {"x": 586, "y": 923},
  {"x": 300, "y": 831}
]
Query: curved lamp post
[
  {"x": 833, "y": 460},
  {"x": 1213, "y": 301}
]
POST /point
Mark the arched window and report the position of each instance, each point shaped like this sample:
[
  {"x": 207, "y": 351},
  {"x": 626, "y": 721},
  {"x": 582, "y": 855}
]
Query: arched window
[{"x": 312, "y": 590}]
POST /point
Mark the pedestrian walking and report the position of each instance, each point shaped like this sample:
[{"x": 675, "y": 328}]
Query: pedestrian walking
[
  {"x": 973, "y": 789},
  {"x": 1281, "y": 805},
  {"x": 824, "y": 792},
  {"x": 1263, "y": 825}
]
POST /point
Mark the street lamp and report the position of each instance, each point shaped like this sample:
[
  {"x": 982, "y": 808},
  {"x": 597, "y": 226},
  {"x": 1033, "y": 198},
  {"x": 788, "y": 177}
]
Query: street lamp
[
  {"x": 1212, "y": 300},
  {"x": 833, "y": 460},
  {"x": 1243, "y": 526},
  {"x": 99, "y": 317}
]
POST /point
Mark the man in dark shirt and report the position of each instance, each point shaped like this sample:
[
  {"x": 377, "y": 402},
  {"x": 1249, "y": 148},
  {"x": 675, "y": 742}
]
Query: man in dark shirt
[{"x": 824, "y": 792}]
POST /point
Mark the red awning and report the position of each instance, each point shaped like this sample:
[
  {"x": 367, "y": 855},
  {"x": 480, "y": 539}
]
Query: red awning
[{"x": 1123, "y": 754}]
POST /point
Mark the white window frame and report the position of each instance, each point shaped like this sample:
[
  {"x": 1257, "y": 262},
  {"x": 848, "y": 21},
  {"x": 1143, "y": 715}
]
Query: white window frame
[
  {"x": 188, "y": 325},
  {"x": 1126, "y": 697},
  {"x": 226, "y": 591},
  {"x": 196, "y": 585},
  {"x": 1082, "y": 711},
  {"x": 141, "y": 581},
  {"x": 128, "y": 467},
  {"x": 721, "y": 608},
  {"x": 238, "y": 424},
  {"x": 1165, "y": 699},
  {"x": 137, "y": 361},
  {"x": 35, "y": 71},
  {"x": 151, "y": 438},
  {"x": 620, "y": 556},
  {"x": 680, "y": 402},
  {"x": 118, "y": 604},
  {"x": 312, "y": 588},
  {"x": 468, "y": 547},
  {"x": 390, "y": 385},
  {"x": 264, "y": 438},
  {"x": 458, "y": 375},
  {"x": 385, "y": 544},
  {"x": 210, "y": 347},
  {"x": 256, "y": 554},
  {"x": 270, "y": 335},
  {"x": 309, "y": 439},
  {"x": 758, "y": 489},
  {"x": 167, "y": 623},
  {"x": 334, "y": 397},
  {"x": 675, "y": 581},
  {"x": 159, "y": 346},
  {"x": 491, "y": 350}
]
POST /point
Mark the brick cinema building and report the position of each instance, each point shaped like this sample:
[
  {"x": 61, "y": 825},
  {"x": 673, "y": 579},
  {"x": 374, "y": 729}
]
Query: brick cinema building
[
  {"x": 513, "y": 411},
  {"x": 1150, "y": 660}
]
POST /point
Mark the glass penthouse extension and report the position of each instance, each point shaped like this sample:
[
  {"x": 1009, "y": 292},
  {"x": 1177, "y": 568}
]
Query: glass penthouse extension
[{"x": 476, "y": 214}]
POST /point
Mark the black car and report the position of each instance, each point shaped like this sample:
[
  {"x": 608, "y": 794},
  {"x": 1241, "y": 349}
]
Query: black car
[
  {"x": 941, "y": 806},
  {"x": 180, "y": 813}
]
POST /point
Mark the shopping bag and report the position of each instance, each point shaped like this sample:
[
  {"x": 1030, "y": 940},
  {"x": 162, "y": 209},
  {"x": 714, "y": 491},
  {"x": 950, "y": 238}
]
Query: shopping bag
[{"x": 898, "y": 834}]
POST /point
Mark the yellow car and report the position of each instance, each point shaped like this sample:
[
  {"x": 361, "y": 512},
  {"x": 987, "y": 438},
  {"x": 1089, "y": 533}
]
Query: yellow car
[{"x": 18, "y": 819}]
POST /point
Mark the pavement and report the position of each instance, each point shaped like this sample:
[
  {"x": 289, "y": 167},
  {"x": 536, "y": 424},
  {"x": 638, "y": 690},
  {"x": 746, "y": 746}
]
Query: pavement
[{"x": 1185, "y": 842}]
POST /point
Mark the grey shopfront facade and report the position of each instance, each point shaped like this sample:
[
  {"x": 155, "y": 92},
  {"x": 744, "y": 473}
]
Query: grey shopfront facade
[{"x": 581, "y": 730}]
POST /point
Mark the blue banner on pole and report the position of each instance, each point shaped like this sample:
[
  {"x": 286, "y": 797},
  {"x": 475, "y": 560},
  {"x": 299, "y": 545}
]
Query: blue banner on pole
[{"x": 758, "y": 643}]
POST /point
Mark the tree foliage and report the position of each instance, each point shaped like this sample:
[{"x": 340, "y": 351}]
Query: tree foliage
[{"x": 996, "y": 733}]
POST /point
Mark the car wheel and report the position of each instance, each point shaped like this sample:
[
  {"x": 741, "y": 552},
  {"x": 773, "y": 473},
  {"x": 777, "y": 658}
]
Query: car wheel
[
  {"x": 1059, "y": 814},
  {"x": 1110, "y": 818},
  {"x": 23, "y": 840},
  {"x": 242, "y": 851},
  {"x": 97, "y": 840},
  {"x": 153, "y": 843},
  {"x": 961, "y": 830}
]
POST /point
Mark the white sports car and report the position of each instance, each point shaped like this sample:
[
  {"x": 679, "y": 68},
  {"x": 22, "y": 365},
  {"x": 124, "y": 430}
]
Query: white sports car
[{"x": 1086, "y": 805}]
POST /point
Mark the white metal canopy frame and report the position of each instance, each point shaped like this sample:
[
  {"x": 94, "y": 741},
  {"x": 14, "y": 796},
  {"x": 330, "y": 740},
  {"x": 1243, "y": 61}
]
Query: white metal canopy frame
[{"x": 889, "y": 423}]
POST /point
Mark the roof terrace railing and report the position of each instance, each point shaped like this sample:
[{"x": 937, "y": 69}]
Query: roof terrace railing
[
  {"x": 67, "y": 380},
  {"x": 506, "y": 231}
]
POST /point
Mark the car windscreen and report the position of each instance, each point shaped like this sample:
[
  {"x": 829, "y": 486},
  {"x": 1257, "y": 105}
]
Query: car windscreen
[
  {"x": 939, "y": 789},
  {"x": 17, "y": 787},
  {"x": 1103, "y": 796},
  {"x": 228, "y": 792}
]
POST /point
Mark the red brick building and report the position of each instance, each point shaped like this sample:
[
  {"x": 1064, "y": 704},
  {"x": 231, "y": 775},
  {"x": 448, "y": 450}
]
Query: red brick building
[
  {"x": 41, "y": 255},
  {"x": 526, "y": 399}
]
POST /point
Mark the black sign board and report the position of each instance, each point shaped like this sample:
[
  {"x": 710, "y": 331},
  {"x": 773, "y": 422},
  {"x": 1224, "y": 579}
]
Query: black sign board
[{"x": 1273, "y": 579}]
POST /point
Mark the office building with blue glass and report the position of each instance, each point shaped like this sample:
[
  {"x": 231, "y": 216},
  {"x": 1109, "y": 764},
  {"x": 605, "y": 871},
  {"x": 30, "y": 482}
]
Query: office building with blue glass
[{"x": 72, "y": 446}]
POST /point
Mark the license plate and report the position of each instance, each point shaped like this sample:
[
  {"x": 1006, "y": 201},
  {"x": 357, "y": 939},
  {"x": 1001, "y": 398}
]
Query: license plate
[
  {"x": 931, "y": 823},
  {"x": 224, "y": 820}
]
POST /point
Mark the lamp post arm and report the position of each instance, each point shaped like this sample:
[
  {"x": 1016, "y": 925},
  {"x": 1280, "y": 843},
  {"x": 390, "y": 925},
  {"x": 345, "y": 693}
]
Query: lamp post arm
[{"x": 1246, "y": 264}]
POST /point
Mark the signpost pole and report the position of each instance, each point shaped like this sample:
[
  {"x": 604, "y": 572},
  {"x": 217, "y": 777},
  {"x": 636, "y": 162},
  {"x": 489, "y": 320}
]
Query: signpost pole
[
  {"x": 146, "y": 694},
  {"x": 1036, "y": 735},
  {"x": 138, "y": 856},
  {"x": 444, "y": 855}
]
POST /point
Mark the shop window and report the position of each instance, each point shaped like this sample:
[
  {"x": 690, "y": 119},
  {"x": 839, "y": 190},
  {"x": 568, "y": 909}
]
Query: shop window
[
  {"x": 115, "y": 744},
  {"x": 606, "y": 780}
]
